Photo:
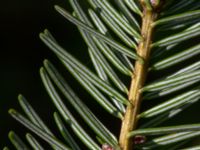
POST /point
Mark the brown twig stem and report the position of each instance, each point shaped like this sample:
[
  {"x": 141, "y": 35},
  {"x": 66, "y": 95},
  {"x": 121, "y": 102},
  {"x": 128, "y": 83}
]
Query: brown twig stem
[{"x": 135, "y": 96}]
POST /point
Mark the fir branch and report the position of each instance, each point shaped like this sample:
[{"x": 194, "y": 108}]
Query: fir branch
[
  {"x": 112, "y": 36},
  {"x": 135, "y": 96}
]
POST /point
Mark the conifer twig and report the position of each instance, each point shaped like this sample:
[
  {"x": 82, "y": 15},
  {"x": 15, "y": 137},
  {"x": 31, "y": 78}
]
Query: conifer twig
[{"x": 135, "y": 96}]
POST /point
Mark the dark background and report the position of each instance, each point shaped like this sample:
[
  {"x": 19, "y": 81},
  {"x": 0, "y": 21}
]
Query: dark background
[{"x": 22, "y": 54}]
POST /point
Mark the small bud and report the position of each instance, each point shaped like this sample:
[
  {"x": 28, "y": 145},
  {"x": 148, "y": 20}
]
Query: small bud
[
  {"x": 139, "y": 139},
  {"x": 107, "y": 147},
  {"x": 155, "y": 3}
]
